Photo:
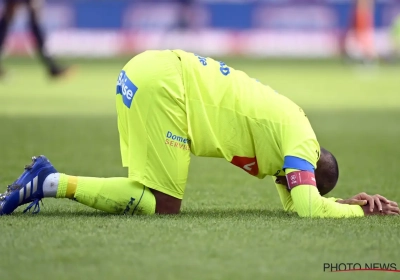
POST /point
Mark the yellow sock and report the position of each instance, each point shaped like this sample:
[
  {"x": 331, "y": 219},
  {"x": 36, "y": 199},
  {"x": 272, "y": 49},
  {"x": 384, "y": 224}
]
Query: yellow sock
[
  {"x": 112, "y": 195},
  {"x": 67, "y": 186}
]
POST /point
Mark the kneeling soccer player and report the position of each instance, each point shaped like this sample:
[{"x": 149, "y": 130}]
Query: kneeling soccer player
[{"x": 173, "y": 103}]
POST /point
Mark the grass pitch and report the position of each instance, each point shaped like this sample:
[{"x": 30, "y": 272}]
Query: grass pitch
[{"x": 232, "y": 225}]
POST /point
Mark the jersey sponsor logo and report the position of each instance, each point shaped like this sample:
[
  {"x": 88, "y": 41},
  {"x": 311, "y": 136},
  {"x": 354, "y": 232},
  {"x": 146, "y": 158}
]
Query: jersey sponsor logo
[
  {"x": 202, "y": 59},
  {"x": 247, "y": 164},
  {"x": 177, "y": 141},
  {"x": 126, "y": 88},
  {"x": 224, "y": 69}
]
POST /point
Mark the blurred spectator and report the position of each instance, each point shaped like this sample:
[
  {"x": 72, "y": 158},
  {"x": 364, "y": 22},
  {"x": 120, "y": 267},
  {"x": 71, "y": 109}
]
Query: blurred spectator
[
  {"x": 360, "y": 38},
  {"x": 186, "y": 10},
  {"x": 33, "y": 7}
]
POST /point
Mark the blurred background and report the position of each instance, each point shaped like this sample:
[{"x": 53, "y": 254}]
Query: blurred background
[{"x": 358, "y": 29}]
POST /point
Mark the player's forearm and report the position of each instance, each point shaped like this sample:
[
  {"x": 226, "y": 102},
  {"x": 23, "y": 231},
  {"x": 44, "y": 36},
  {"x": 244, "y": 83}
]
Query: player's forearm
[
  {"x": 309, "y": 203},
  {"x": 285, "y": 197},
  {"x": 287, "y": 201}
]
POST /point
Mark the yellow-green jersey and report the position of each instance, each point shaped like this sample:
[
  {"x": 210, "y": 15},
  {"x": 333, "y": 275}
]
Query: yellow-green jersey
[
  {"x": 173, "y": 103},
  {"x": 235, "y": 117}
]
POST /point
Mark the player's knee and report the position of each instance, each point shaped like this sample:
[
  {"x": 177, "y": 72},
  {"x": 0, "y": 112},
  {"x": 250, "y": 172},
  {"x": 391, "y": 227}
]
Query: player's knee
[{"x": 166, "y": 204}]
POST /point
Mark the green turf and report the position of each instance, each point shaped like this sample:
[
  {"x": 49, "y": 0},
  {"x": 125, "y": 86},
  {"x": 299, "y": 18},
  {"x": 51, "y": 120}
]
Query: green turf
[{"x": 232, "y": 225}]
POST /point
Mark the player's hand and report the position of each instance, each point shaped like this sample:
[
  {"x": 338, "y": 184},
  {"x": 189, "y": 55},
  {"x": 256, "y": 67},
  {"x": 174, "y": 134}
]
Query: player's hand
[
  {"x": 374, "y": 202},
  {"x": 377, "y": 205},
  {"x": 352, "y": 201},
  {"x": 390, "y": 208}
]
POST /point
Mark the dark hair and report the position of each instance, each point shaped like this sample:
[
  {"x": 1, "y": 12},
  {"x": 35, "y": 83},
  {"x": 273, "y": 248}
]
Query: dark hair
[{"x": 327, "y": 172}]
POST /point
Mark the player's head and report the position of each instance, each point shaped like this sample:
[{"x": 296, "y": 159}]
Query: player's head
[{"x": 327, "y": 172}]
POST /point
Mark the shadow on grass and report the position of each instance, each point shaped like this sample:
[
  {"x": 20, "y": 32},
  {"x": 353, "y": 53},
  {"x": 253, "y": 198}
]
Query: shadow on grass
[
  {"x": 63, "y": 214},
  {"x": 235, "y": 213}
]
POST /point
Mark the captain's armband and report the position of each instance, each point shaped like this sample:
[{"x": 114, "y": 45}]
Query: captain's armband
[{"x": 298, "y": 178}]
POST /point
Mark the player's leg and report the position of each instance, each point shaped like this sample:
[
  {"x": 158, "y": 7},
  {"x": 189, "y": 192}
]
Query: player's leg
[
  {"x": 153, "y": 130},
  {"x": 40, "y": 179},
  {"x": 156, "y": 157},
  {"x": 153, "y": 126},
  {"x": 5, "y": 20},
  {"x": 34, "y": 7}
]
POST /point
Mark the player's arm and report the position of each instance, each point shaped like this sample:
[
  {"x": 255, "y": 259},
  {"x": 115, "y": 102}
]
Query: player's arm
[
  {"x": 309, "y": 203},
  {"x": 284, "y": 194},
  {"x": 301, "y": 152},
  {"x": 286, "y": 198}
]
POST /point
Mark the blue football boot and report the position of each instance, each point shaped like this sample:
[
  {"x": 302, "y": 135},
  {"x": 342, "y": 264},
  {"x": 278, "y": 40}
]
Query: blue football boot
[{"x": 28, "y": 188}]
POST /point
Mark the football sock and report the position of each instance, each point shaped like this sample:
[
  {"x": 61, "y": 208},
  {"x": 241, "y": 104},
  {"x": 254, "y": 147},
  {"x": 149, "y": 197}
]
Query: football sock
[
  {"x": 50, "y": 185},
  {"x": 112, "y": 195}
]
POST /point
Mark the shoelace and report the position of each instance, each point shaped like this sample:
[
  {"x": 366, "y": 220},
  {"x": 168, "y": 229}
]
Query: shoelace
[{"x": 35, "y": 203}]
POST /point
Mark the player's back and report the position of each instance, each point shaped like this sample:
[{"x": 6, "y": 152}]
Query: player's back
[{"x": 234, "y": 116}]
